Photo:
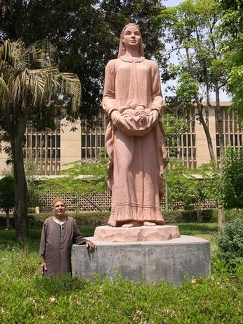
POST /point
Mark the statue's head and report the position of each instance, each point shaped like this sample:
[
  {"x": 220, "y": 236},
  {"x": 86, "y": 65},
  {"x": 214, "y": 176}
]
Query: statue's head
[{"x": 122, "y": 49}]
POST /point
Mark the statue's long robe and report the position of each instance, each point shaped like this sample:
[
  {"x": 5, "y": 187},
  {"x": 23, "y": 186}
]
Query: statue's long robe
[{"x": 136, "y": 148}]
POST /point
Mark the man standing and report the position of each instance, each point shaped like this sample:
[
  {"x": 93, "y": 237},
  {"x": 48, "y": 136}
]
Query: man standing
[{"x": 59, "y": 233}]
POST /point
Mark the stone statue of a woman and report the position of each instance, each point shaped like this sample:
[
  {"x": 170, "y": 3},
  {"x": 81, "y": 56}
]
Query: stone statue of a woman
[{"x": 134, "y": 136}]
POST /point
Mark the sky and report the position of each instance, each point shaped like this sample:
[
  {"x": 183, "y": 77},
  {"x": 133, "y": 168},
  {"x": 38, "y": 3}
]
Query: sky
[{"x": 171, "y": 3}]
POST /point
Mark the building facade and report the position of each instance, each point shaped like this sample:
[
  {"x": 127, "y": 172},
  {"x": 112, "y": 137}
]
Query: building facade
[{"x": 51, "y": 151}]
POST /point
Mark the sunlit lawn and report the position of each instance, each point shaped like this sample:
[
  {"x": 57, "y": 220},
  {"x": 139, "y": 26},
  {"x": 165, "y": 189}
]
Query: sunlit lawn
[
  {"x": 206, "y": 231},
  {"x": 26, "y": 297}
]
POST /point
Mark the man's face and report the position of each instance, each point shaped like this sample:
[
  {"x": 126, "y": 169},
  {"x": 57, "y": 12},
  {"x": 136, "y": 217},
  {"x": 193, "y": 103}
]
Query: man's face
[{"x": 59, "y": 209}]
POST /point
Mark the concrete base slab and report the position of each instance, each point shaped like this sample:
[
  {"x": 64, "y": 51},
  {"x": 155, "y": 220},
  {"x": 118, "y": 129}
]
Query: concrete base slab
[
  {"x": 136, "y": 234},
  {"x": 154, "y": 261}
]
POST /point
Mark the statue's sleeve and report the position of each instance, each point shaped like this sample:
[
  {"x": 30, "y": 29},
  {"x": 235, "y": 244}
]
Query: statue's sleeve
[
  {"x": 157, "y": 98},
  {"x": 108, "y": 100}
]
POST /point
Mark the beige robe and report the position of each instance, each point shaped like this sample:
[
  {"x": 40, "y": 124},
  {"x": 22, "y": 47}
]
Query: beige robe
[{"x": 136, "y": 144}]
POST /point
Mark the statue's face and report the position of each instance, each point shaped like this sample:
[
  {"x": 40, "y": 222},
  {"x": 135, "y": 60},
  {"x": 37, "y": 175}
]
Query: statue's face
[{"x": 131, "y": 37}]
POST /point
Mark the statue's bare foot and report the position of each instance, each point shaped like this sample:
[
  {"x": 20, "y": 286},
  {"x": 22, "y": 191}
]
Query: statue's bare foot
[
  {"x": 149, "y": 224},
  {"x": 131, "y": 224}
]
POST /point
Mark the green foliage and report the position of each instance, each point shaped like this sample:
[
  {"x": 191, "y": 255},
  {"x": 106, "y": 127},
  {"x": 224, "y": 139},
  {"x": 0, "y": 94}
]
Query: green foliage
[
  {"x": 83, "y": 219},
  {"x": 87, "y": 37},
  {"x": 230, "y": 243},
  {"x": 79, "y": 176},
  {"x": 232, "y": 20},
  {"x": 7, "y": 196},
  {"x": 231, "y": 180},
  {"x": 178, "y": 177},
  {"x": 31, "y": 84},
  {"x": 232, "y": 49},
  {"x": 191, "y": 33},
  {"x": 185, "y": 216},
  {"x": 235, "y": 86},
  {"x": 27, "y": 297},
  {"x": 190, "y": 186},
  {"x": 101, "y": 218},
  {"x": 193, "y": 46},
  {"x": 173, "y": 127},
  {"x": 208, "y": 187},
  {"x": 94, "y": 172},
  {"x": 188, "y": 87}
]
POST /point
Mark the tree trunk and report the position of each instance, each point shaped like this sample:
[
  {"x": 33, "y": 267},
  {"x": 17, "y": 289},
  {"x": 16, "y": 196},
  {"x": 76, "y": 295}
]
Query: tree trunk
[
  {"x": 20, "y": 184},
  {"x": 207, "y": 132},
  {"x": 200, "y": 112},
  {"x": 7, "y": 219},
  {"x": 221, "y": 217},
  {"x": 219, "y": 121}
]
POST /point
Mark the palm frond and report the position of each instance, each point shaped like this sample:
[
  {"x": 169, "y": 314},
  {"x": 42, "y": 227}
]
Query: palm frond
[
  {"x": 32, "y": 77},
  {"x": 4, "y": 93}
]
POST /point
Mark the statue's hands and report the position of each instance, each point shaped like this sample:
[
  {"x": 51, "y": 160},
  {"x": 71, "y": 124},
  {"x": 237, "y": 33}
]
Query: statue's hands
[
  {"x": 116, "y": 119},
  {"x": 135, "y": 123},
  {"x": 154, "y": 116}
]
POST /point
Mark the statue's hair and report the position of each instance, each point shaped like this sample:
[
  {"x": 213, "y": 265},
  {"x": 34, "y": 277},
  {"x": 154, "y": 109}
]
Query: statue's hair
[
  {"x": 122, "y": 49},
  {"x": 58, "y": 199}
]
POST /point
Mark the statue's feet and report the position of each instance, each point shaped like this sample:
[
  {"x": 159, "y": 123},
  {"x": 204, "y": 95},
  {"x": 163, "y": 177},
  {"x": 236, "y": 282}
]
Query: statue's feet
[
  {"x": 149, "y": 224},
  {"x": 131, "y": 224}
]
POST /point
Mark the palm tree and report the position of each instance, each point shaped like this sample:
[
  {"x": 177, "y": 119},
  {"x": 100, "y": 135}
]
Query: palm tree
[{"x": 32, "y": 91}]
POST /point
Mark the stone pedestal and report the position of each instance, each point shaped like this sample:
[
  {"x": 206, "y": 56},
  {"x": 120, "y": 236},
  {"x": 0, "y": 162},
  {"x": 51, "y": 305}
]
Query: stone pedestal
[
  {"x": 136, "y": 234},
  {"x": 155, "y": 261}
]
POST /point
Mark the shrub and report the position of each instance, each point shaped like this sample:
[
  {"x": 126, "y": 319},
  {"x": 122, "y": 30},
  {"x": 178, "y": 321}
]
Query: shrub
[
  {"x": 101, "y": 218},
  {"x": 230, "y": 243}
]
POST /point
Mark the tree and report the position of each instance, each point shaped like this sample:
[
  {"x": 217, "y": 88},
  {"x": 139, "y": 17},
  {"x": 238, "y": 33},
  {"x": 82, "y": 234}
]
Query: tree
[
  {"x": 174, "y": 127},
  {"x": 189, "y": 186},
  {"x": 93, "y": 178},
  {"x": 231, "y": 180},
  {"x": 7, "y": 198},
  {"x": 191, "y": 30},
  {"x": 231, "y": 31},
  {"x": 85, "y": 33},
  {"x": 31, "y": 89},
  {"x": 233, "y": 19}
]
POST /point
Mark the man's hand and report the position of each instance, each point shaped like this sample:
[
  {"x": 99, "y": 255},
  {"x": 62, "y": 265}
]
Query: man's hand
[
  {"x": 90, "y": 245},
  {"x": 42, "y": 268}
]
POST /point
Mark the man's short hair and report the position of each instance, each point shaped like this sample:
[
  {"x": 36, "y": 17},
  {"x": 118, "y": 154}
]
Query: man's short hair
[{"x": 58, "y": 199}]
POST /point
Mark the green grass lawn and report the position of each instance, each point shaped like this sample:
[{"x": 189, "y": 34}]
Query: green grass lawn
[
  {"x": 26, "y": 297},
  {"x": 207, "y": 231}
]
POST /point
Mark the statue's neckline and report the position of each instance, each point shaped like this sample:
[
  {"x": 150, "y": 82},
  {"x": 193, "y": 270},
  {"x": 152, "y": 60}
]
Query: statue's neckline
[{"x": 132, "y": 59}]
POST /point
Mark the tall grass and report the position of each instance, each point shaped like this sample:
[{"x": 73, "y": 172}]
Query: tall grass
[{"x": 26, "y": 297}]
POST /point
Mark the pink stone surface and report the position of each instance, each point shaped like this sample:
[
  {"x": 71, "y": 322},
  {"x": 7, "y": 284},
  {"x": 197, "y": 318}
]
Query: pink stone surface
[
  {"x": 136, "y": 234},
  {"x": 135, "y": 139}
]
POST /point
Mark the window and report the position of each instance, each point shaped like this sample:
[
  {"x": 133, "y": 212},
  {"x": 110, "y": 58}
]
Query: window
[{"x": 43, "y": 149}]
